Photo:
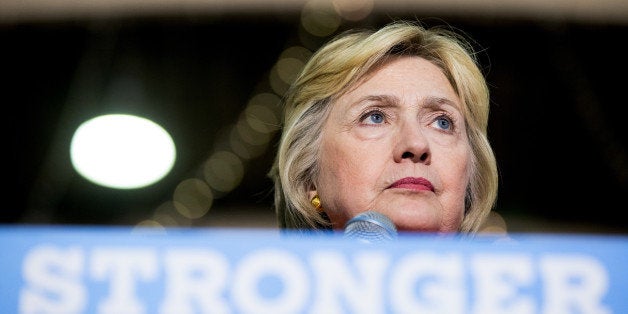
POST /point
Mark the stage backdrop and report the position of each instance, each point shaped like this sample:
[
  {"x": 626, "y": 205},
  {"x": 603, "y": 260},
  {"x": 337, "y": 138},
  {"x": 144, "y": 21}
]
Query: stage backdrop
[{"x": 126, "y": 270}]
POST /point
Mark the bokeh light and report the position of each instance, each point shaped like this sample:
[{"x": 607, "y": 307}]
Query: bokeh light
[
  {"x": 122, "y": 151},
  {"x": 193, "y": 198},
  {"x": 353, "y": 10},
  {"x": 223, "y": 171},
  {"x": 494, "y": 224},
  {"x": 319, "y": 18}
]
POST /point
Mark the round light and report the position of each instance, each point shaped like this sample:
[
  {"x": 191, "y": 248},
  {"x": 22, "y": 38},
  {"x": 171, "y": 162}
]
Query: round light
[{"x": 122, "y": 151}]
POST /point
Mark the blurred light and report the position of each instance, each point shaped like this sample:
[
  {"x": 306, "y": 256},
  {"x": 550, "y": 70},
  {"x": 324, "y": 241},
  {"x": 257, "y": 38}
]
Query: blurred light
[
  {"x": 167, "y": 220},
  {"x": 250, "y": 135},
  {"x": 122, "y": 151},
  {"x": 278, "y": 85},
  {"x": 261, "y": 119},
  {"x": 289, "y": 68},
  {"x": 297, "y": 52},
  {"x": 148, "y": 224},
  {"x": 223, "y": 171},
  {"x": 167, "y": 215},
  {"x": 249, "y": 146},
  {"x": 319, "y": 18},
  {"x": 353, "y": 10},
  {"x": 193, "y": 198},
  {"x": 495, "y": 224}
]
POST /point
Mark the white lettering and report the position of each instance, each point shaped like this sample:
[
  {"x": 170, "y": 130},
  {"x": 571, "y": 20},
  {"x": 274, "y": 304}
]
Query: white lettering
[
  {"x": 573, "y": 284},
  {"x": 498, "y": 282},
  {"x": 195, "y": 275},
  {"x": 122, "y": 266},
  {"x": 266, "y": 264},
  {"x": 53, "y": 278},
  {"x": 335, "y": 279},
  {"x": 428, "y": 283},
  {"x": 186, "y": 280}
]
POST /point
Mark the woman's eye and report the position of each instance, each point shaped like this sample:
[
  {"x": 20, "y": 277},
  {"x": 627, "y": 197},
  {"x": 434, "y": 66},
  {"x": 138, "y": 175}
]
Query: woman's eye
[
  {"x": 444, "y": 123},
  {"x": 374, "y": 117}
]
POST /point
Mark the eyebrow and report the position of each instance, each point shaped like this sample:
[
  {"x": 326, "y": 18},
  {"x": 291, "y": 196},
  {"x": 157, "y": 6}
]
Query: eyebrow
[
  {"x": 439, "y": 101},
  {"x": 391, "y": 100},
  {"x": 387, "y": 100}
]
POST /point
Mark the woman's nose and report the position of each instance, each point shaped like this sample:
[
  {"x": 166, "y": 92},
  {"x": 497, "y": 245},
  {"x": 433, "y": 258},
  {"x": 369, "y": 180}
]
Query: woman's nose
[{"x": 411, "y": 144}]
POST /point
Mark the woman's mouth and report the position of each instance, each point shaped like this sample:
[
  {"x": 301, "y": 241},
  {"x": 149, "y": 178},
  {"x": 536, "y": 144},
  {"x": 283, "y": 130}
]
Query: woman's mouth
[{"x": 412, "y": 183}]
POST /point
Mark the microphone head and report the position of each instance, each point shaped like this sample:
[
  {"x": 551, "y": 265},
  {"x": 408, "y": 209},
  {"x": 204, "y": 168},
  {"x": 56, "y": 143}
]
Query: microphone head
[{"x": 371, "y": 227}]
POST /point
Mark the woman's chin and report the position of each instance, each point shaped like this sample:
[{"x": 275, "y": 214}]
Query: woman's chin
[{"x": 416, "y": 220}]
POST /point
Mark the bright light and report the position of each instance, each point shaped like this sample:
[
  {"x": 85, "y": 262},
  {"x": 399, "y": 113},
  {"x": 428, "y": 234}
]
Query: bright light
[{"x": 122, "y": 151}]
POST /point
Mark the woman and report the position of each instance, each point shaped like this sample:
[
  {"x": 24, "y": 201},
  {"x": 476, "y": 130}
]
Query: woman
[{"x": 392, "y": 121}]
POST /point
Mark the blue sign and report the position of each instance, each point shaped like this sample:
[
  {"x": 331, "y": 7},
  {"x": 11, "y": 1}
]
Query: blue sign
[{"x": 205, "y": 270}]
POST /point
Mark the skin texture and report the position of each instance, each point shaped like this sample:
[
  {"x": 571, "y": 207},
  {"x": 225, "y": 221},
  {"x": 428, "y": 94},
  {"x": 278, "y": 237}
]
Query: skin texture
[{"x": 399, "y": 128}]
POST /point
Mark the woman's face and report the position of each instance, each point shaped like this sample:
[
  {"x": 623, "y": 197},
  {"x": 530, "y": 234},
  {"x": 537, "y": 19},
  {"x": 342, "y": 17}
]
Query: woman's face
[{"x": 397, "y": 144}]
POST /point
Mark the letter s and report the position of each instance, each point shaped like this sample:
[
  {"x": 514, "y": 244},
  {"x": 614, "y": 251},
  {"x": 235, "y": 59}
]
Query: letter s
[{"x": 52, "y": 278}]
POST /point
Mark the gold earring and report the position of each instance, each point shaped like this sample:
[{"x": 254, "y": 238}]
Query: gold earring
[{"x": 316, "y": 202}]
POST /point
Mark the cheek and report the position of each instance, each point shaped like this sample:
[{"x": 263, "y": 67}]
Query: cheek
[
  {"x": 461, "y": 185},
  {"x": 348, "y": 175},
  {"x": 455, "y": 174},
  {"x": 341, "y": 171},
  {"x": 459, "y": 178}
]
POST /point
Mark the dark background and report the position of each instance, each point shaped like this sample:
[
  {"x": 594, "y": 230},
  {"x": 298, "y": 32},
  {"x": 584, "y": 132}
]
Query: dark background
[{"x": 558, "y": 89}]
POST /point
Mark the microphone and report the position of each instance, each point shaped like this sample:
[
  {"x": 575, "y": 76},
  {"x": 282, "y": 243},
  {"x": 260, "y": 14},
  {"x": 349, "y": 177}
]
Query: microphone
[{"x": 371, "y": 227}]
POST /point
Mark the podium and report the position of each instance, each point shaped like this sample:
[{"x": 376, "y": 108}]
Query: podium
[{"x": 73, "y": 269}]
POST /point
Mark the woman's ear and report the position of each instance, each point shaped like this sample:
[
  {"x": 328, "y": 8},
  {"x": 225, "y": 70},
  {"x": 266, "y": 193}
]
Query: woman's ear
[{"x": 311, "y": 194}]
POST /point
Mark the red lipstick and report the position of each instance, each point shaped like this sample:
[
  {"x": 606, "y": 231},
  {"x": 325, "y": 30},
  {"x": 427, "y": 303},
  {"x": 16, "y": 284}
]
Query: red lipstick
[{"x": 411, "y": 183}]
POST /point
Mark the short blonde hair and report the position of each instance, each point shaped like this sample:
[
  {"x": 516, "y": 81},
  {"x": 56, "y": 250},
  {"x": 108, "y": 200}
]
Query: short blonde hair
[{"x": 334, "y": 69}]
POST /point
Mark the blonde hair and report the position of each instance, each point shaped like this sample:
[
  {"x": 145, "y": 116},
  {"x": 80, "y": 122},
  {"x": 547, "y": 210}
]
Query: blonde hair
[{"x": 333, "y": 70}]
